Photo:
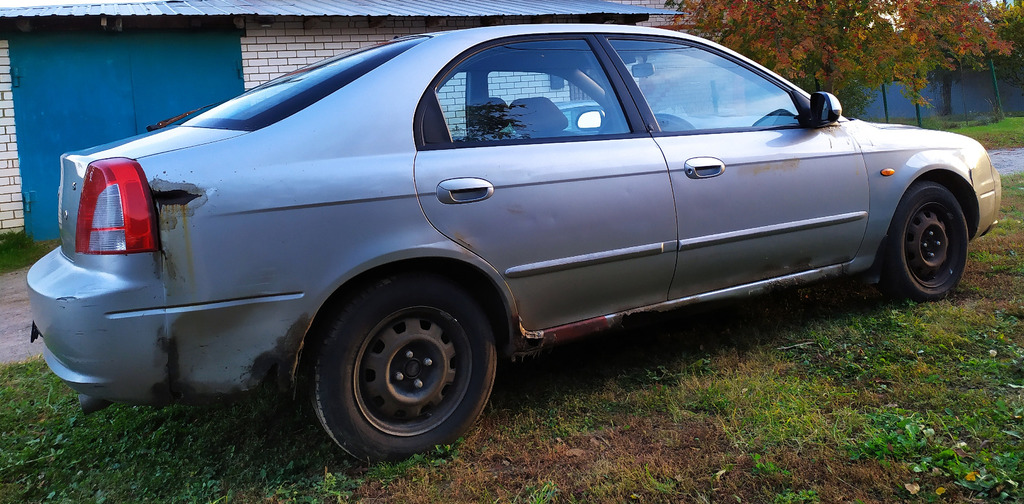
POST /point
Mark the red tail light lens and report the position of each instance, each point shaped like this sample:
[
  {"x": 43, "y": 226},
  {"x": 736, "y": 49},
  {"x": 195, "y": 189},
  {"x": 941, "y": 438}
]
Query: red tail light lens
[{"x": 115, "y": 212}]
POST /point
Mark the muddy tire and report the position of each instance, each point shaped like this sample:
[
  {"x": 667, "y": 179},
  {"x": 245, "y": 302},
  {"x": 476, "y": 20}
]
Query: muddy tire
[
  {"x": 408, "y": 364},
  {"x": 926, "y": 249}
]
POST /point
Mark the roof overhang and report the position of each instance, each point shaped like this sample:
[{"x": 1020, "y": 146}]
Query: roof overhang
[{"x": 318, "y": 8}]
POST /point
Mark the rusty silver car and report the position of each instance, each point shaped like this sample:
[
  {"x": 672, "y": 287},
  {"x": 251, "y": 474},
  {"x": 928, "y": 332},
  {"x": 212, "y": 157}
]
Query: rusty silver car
[{"x": 402, "y": 216}]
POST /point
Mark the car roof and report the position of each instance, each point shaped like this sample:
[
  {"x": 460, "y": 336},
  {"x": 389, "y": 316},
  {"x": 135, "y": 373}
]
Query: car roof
[{"x": 492, "y": 32}]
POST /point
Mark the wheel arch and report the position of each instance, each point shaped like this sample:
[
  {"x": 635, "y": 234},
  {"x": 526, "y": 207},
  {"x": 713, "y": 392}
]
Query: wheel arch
[
  {"x": 497, "y": 307},
  {"x": 961, "y": 190}
]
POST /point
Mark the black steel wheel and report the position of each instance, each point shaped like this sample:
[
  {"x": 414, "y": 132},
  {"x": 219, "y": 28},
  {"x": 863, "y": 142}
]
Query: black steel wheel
[
  {"x": 926, "y": 251},
  {"x": 407, "y": 365}
]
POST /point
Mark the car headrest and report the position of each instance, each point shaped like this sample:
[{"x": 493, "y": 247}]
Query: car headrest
[{"x": 537, "y": 117}]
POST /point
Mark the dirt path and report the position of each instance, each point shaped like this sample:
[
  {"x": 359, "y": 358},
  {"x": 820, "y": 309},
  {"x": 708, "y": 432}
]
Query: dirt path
[{"x": 16, "y": 318}]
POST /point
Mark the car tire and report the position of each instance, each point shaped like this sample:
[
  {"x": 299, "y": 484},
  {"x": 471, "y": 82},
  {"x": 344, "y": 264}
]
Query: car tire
[
  {"x": 926, "y": 249},
  {"x": 406, "y": 365}
]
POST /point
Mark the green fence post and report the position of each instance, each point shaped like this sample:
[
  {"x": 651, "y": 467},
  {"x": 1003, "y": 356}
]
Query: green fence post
[
  {"x": 995, "y": 86},
  {"x": 885, "y": 104}
]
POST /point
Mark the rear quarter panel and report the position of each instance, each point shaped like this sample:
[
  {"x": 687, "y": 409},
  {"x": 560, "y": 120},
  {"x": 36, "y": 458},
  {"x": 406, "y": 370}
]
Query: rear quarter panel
[{"x": 267, "y": 225}]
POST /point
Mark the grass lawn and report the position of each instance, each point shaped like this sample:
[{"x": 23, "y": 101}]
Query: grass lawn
[
  {"x": 1004, "y": 134},
  {"x": 829, "y": 394},
  {"x": 17, "y": 250}
]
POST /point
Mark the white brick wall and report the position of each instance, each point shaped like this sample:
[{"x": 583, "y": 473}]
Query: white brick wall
[
  {"x": 12, "y": 217},
  {"x": 658, "y": 20},
  {"x": 290, "y": 42}
]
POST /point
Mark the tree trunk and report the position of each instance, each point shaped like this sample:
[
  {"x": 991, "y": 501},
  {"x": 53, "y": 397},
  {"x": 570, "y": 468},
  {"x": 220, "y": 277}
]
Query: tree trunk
[{"x": 946, "y": 99}]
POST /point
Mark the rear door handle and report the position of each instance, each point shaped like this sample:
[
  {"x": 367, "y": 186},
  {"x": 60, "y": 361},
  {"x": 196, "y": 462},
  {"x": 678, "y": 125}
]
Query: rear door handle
[
  {"x": 703, "y": 167},
  {"x": 463, "y": 190}
]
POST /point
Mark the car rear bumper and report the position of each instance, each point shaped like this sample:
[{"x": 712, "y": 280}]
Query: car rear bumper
[
  {"x": 111, "y": 333},
  {"x": 96, "y": 350}
]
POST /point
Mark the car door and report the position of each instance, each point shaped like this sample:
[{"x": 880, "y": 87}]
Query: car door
[
  {"x": 578, "y": 218},
  {"x": 758, "y": 196}
]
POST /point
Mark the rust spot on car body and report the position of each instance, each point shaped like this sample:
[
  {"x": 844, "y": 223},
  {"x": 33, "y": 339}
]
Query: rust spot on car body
[
  {"x": 180, "y": 196},
  {"x": 176, "y": 203},
  {"x": 284, "y": 358},
  {"x": 232, "y": 363},
  {"x": 534, "y": 342},
  {"x": 774, "y": 166}
]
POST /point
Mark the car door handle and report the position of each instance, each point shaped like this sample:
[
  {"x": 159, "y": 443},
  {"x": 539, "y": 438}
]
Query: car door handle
[
  {"x": 463, "y": 190},
  {"x": 703, "y": 167}
]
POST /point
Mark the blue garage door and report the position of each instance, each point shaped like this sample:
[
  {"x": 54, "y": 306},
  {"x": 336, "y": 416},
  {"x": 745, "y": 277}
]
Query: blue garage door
[{"x": 77, "y": 90}]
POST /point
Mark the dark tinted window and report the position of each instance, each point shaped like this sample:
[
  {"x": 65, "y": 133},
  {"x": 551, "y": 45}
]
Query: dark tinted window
[{"x": 290, "y": 93}]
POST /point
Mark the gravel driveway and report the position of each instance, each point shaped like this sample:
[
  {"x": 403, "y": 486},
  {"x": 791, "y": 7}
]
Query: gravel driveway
[
  {"x": 1007, "y": 161},
  {"x": 16, "y": 318}
]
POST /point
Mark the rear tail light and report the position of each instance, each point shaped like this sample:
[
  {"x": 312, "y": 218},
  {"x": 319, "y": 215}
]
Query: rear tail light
[{"x": 115, "y": 212}]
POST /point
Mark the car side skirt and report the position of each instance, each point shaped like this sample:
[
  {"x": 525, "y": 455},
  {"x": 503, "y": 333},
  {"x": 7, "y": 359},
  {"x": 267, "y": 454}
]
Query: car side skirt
[{"x": 532, "y": 342}]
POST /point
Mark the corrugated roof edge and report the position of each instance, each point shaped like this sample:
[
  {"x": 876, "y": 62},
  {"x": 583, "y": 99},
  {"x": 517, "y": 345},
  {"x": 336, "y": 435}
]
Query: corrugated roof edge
[{"x": 401, "y": 8}]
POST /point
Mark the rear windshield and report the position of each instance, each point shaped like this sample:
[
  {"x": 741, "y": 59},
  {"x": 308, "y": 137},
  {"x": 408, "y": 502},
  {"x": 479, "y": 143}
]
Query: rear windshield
[{"x": 290, "y": 93}]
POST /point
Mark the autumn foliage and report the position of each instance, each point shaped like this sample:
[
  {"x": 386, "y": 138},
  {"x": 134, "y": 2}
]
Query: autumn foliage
[
  {"x": 843, "y": 45},
  {"x": 1009, "y": 24}
]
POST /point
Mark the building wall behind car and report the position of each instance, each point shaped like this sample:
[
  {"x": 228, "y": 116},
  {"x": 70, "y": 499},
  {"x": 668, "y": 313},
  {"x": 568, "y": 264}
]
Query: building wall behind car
[
  {"x": 12, "y": 217},
  {"x": 289, "y": 43},
  {"x": 274, "y": 48}
]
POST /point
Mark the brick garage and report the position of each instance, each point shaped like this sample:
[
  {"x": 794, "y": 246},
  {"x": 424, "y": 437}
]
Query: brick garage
[{"x": 11, "y": 212}]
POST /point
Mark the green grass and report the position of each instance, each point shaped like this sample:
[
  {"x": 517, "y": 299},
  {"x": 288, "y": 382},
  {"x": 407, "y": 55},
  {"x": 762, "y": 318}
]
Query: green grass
[
  {"x": 1007, "y": 133},
  {"x": 17, "y": 250},
  {"x": 829, "y": 393}
]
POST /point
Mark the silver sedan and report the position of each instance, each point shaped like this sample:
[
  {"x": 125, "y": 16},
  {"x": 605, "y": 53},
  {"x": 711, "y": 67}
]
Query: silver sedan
[{"x": 395, "y": 219}]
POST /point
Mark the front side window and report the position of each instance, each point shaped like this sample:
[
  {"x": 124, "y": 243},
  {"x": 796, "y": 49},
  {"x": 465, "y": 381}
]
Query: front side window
[
  {"x": 530, "y": 90},
  {"x": 689, "y": 88}
]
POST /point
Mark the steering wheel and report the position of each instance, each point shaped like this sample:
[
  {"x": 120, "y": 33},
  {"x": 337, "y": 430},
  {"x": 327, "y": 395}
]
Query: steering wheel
[{"x": 669, "y": 122}]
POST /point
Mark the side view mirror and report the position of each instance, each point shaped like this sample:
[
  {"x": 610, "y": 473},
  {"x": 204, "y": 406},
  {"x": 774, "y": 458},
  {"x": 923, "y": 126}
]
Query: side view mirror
[
  {"x": 825, "y": 110},
  {"x": 590, "y": 119}
]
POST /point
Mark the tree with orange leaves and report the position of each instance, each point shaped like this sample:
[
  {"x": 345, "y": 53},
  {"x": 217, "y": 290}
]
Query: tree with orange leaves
[{"x": 846, "y": 46}]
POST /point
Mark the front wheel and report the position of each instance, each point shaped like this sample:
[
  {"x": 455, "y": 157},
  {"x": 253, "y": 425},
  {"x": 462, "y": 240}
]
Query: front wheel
[
  {"x": 408, "y": 364},
  {"x": 926, "y": 251}
]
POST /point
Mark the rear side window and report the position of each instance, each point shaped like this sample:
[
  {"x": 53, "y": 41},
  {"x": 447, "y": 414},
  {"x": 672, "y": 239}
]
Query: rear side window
[
  {"x": 530, "y": 90},
  {"x": 290, "y": 93}
]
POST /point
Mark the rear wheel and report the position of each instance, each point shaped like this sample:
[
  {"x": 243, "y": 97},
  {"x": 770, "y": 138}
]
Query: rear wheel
[
  {"x": 927, "y": 245},
  {"x": 407, "y": 365}
]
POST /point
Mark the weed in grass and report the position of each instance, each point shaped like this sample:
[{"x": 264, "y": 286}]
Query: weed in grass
[
  {"x": 543, "y": 494},
  {"x": 801, "y": 497},
  {"x": 767, "y": 466}
]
